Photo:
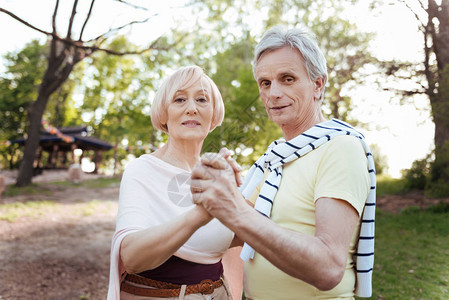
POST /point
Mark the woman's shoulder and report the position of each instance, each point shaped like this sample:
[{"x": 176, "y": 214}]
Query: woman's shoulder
[
  {"x": 145, "y": 163},
  {"x": 143, "y": 159}
]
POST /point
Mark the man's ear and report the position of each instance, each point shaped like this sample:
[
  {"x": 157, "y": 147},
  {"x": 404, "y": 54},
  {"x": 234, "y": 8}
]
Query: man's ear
[{"x": 318, "y": 88}]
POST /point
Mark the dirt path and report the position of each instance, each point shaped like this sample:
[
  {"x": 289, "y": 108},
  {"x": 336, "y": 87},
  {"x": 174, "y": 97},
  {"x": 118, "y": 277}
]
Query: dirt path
[{"x": 63, "y": 253}]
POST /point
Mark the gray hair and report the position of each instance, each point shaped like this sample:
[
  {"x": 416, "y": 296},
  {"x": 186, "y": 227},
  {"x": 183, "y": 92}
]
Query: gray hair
[{"x": 278, "y": 37}]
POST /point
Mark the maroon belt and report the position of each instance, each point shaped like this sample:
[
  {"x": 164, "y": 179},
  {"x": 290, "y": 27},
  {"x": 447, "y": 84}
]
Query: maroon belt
[{"x": 165, "y": 289}]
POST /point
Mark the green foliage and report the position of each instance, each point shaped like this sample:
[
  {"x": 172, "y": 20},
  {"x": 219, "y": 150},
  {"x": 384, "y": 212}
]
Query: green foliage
[
  {"x": 115, "y": 102},
  {"x": 438, "y": 189},
  {"x": 390, "y": 186},
  {"x": 440, "y": 208},
  {"x": 116, "y": 89},
  {"x": 416, "y": 176},
  {"x": 61, "y": 111},
  {"x": 437, "y": 185},
  {"x": 411, "y": 251},
  {"x": 246, "y": 123},
  {"x": 19, "y": 86},
  {"x": 430, "y": 176},
  {"x": 380, "y": 160}
]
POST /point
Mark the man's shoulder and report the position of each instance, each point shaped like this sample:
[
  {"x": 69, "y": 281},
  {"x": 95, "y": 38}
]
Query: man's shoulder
[{"x": 343, "y": 143}]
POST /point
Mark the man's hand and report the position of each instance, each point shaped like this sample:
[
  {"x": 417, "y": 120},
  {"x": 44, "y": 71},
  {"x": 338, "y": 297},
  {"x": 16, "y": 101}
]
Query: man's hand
[{"x": 214, "y": 186}]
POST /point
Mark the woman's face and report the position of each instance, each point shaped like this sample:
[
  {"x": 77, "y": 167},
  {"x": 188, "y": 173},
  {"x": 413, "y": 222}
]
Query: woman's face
[{"x": 190, "y": 112}]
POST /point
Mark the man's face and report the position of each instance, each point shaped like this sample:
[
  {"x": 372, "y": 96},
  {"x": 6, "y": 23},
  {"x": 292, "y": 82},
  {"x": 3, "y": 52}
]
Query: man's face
[{"x": 291, "y": 99}]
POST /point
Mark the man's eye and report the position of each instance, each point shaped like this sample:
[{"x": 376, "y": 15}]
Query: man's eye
[
  {"x": 289, "y": 79},
  {"x": 265, "y": 83}
]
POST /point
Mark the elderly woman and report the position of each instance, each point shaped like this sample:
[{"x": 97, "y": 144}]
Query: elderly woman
[{"x": 164, "y": 245}]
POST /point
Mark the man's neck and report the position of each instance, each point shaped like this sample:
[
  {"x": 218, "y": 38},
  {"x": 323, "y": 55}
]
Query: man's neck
[{"x": 290, "y": 133}]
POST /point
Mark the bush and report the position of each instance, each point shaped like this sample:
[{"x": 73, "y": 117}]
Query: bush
[
  {"x": 440, "y": 208},
  {"x": 417, "y": 176},
  {"x": 437, "y": 189},
  {"x": 390, "y": 186}
]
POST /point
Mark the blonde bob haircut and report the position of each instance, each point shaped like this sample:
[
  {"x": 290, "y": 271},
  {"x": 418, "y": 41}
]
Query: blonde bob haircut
[{"x": 183, "y": 78}]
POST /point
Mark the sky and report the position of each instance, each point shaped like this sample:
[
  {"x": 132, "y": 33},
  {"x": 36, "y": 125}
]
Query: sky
[{"x": 404, "y": 133}]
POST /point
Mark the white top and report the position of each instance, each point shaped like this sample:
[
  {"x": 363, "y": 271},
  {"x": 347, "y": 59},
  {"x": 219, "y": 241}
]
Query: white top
[{"x": 153, "y": 192}]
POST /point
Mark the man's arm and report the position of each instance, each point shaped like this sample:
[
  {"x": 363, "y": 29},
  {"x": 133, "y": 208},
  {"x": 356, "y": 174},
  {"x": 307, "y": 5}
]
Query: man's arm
[{"x": 319, "y": 260}]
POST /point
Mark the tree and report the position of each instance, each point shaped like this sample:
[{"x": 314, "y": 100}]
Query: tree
[
  {"x": 18, "y": 88},
  {"x": 431, "y": 77},
  {"x": 230, "y": 35},
  {"x": 66, "y": 51},
  {"x": 246, "y": 128},
  {"x": 115, "y": 103},
  {"x": 344, "y": 46}
]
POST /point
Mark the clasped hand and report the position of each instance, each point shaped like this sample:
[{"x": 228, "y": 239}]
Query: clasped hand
[{"x": 214, "y": 185}]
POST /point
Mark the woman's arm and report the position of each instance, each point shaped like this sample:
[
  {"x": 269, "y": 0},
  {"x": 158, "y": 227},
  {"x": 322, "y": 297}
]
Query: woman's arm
[{"x": 149, "y": 248}]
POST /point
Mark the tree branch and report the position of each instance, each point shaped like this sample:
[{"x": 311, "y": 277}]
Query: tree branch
[
  {"x": 405, "y": 92},
  {"x": 120, "y": 28},
  {"x": 132, "y": 5},
  {"x": 80, "y": 44},
  {"x": 24, "y": 22},
  {"x": 87, "y": 19},
  {"x": 53, "y": 19},
  {"x": 72, "y": 17},
  {"x": 421, "y": 25}
]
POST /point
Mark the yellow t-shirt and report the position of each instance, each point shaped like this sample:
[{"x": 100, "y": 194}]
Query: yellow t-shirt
[{"x": 337, "y": 169}]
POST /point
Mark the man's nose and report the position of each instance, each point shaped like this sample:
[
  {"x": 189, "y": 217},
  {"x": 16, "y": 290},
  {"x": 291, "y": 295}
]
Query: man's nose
[{"x": 275, "y": 90}]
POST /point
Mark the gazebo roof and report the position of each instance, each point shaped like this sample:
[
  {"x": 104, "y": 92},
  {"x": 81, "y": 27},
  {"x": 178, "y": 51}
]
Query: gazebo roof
[{"x": 80, "y": 139}]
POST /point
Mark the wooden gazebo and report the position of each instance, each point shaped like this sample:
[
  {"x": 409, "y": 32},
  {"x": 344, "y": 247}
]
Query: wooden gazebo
[{"x": 61, "y": 147}]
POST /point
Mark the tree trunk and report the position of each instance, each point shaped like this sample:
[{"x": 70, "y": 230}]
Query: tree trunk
[
  {"x": 35, "y": 112},
  {"x": 440, "y": 99},
  {"x": 58, "y": 70}
]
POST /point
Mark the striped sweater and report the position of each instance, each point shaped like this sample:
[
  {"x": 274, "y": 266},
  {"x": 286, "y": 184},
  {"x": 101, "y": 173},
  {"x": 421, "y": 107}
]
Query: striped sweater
[{"x": 281, "y": 152}]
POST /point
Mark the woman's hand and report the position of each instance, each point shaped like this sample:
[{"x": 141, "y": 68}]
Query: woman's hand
[
  {"x": 235, "y": 166},
  {"x": 200, "y": 215}
]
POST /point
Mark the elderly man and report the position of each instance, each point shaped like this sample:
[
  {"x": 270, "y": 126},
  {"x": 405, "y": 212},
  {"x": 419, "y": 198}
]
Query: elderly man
[{"x": 311, "y": 234}]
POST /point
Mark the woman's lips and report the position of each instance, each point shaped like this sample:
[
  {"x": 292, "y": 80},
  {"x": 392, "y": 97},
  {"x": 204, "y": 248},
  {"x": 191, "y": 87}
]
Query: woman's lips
[{"x": 191, "y": 123}]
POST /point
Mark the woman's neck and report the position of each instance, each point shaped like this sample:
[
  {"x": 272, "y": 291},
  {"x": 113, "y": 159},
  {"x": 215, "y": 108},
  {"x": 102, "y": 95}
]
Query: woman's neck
[{"x": 183, "y": 155}]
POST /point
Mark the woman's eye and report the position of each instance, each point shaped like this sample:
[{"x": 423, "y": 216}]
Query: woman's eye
[
  {"x": 179, "y": 100},
  {"x": 202, "y": 100}
]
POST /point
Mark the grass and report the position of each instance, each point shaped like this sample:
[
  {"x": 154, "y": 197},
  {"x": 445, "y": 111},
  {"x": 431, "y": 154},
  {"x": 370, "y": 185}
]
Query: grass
[
  {"x": 34, "y": 209},
  {"x": 94, "y": 183},
  {"x": 412, "y": 248},
  {"x": 12, "y": 190},
  {"x": 38, "y": 209},
  {"x": 35, "y": 188},
  {"x": 411, "y": 255}
]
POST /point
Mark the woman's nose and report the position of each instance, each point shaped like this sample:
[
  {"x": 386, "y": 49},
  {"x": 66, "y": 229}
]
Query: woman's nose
[{"x": 191, "y": 107}]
